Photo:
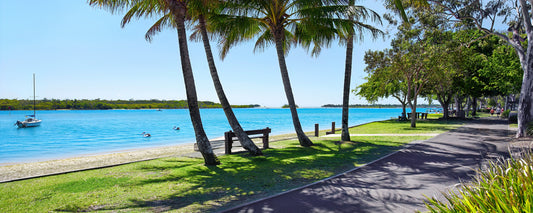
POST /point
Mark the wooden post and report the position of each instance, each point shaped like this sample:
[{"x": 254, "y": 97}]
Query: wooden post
[
  {"x": 228, "y": 142},
  {"x": 265, "y": 138},
  {"x": 316, "y": 130},
  {"x": 333, "y": 127}
]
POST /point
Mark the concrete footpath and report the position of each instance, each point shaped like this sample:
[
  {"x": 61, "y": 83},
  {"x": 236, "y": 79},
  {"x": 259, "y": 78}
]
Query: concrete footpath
[{"x": 398, "y": 182}]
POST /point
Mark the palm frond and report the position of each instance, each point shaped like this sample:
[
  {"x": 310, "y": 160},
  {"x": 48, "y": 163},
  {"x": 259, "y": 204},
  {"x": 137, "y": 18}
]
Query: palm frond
[
  {"x": 111, "y": 5},
  {"x": 264, "y": 40},
  {"x": 232, "y": 30},
  {"x": 164, "y": 22},
  {"x": 146, "y": 8}
]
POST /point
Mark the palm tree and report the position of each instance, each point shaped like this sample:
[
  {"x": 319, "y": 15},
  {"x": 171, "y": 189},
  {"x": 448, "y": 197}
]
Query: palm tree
[
  {"x": 347, "y": 19},
  {"x": 198, "y": 11},
  {"x": 270, "y": 21},
  {"x": 173, "y": 13},
  {"x": 355, "y": 14},
  {"x": 245, "y": 141}
]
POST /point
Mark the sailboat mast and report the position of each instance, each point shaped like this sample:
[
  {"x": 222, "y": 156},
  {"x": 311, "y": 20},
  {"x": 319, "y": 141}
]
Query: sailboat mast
[{"x": 33, "y": 95}]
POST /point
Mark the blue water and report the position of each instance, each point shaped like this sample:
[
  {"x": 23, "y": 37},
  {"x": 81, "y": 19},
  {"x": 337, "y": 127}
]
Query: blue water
[{"x": 68, "y": 133}]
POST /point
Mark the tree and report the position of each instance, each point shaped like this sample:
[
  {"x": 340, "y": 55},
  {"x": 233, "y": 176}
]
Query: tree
[
  {"x": 357, "y": 14},
  {"x": 174, "y": 13},
  {"x": 271, "y": 22},
  {"x": 411, "y": 60},
  {"x": 349, "y": 20},
  {"x": 207, "y": 9},
  {"x": 517, "y": 15},
  {"x": 381, "y": 83},
  {"x": 446, "y": 61}
]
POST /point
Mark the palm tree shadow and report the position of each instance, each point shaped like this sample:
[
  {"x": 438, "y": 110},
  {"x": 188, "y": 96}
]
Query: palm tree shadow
[{"x": 243, "y": 178}]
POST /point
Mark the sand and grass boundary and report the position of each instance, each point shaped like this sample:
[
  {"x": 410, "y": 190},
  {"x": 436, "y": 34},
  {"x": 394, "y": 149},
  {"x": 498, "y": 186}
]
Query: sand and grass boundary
[{"x": 21, "y": 171}]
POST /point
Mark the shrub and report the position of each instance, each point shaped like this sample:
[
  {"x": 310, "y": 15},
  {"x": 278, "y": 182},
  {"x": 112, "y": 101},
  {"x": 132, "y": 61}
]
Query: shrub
[
  {"x": 530, "y": 128},
  {"x": 485, "y": 110},
  {"x": 504, "y": 186},
  {"x": 505, "y": 114}
]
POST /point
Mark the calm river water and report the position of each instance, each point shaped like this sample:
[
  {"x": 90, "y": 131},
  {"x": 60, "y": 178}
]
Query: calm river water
[{"x": 67, "y": 133}]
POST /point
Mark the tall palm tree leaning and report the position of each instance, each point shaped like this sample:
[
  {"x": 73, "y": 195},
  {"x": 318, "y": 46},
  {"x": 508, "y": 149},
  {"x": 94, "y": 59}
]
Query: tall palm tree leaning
[
  {"x": 174, "y": 12},
  {"x": 269, "y": 21},
  {"x": 355, "y": 14},
  {"x": 204, "y": 10}
]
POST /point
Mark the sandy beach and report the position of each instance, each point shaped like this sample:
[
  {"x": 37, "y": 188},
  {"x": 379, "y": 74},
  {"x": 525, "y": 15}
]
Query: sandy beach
[
  {"x": 58, "y": 166},
  {"x": 19, "y": 171}
]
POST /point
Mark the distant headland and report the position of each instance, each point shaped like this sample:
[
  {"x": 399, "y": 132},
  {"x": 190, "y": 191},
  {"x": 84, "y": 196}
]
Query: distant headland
[{"x": 98, "y": 104}]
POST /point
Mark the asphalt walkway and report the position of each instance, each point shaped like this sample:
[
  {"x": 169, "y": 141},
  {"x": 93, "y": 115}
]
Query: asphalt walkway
[{"x": 399, "y": 182}]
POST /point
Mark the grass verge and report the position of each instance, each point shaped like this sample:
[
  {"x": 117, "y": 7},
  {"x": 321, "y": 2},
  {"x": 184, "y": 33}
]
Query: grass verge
[
  {"x": 404, "y": 127},
  {"x": 186, "y": 185}
]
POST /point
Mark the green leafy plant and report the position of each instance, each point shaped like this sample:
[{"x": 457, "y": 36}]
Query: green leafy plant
[
  {"x": 505, "y": 114},
  {"x": 530, "y": 128},
  {"x": 505, "y": 185}
]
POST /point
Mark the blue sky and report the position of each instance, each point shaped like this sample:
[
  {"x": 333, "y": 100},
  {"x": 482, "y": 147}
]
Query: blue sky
[{"x": 81, "y": 52}]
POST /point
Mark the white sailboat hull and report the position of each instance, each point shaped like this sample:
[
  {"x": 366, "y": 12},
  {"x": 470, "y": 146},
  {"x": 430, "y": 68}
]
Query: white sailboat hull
[{"x": 30, "y": 122}]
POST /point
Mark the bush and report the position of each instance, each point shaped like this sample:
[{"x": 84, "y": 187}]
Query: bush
[
  {"x": 529, "y": 130},
  {"x": 485, "y": 110},
  {"x": 505, "y": 114},
  {"x": 505, "y": 186}
]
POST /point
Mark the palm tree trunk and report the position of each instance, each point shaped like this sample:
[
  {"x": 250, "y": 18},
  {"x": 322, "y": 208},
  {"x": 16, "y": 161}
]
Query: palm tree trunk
[
  {"x": 246, "y": 142},
  {"x": 201, "y": 138},
  {"x": 345, "y": 134},
  {"x": 302, "y": 138}
]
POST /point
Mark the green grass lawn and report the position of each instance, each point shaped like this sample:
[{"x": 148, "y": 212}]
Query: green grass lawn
[
  {"x": 186, "y": 185},
  {"x": 404, "y": 127}
]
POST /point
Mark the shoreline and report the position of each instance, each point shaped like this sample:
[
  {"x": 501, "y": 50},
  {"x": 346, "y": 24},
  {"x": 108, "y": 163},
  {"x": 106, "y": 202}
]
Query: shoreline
[
  {"x": 22, "y": 171},
  {"x": 16, "y": 171}
]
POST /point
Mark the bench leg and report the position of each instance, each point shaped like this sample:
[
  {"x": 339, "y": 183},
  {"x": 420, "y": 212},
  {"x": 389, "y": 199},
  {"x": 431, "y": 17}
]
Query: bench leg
[{"x": 265, "y": 141}]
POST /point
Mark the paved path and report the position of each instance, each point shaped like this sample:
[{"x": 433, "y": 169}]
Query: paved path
[{"x": 398, "y": 182}]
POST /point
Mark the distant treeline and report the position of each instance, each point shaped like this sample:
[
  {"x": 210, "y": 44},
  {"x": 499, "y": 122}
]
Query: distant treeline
[
  {"x": 84, "y": 104},
  {"x": 379, "y": 106}
]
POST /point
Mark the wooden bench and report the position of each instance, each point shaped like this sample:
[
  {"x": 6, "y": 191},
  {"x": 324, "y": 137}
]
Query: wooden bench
[
  {"x": 230, "y": 136},
  {"x": 419, "y": 115}
]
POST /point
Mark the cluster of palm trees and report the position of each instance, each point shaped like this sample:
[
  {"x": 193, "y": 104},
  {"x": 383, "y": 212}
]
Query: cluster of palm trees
[{"x": 314, "y": 24}]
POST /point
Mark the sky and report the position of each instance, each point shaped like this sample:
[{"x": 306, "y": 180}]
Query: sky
[{"x": 81, "y": 52}]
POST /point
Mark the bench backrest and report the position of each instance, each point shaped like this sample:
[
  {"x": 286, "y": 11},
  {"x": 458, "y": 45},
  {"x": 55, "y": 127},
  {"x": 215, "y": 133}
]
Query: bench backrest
[{"x": 252, "y": 132}]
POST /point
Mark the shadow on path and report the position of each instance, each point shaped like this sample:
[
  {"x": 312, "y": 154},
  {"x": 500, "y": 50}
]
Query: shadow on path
[{"x": 398, "y": 183}]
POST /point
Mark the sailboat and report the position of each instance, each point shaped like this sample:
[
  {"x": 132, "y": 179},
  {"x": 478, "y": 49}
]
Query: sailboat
[{"x": 31, "y": 120}]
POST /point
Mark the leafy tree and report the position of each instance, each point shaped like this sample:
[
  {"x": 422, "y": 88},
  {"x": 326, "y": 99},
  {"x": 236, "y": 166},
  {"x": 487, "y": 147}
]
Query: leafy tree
[
  {"x": 381, "y": 83},
  {"x": 446, "y": 59},
  {"x": 516, "y": 14},
  {"x": 173, "y": 13},
  {"x": 412, "y": 61},
  {"x": 502, "y": 69}
]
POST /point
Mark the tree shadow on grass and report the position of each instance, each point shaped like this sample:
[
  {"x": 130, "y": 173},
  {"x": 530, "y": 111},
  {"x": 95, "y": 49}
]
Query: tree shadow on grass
[{"x": 242, "y": 178}]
